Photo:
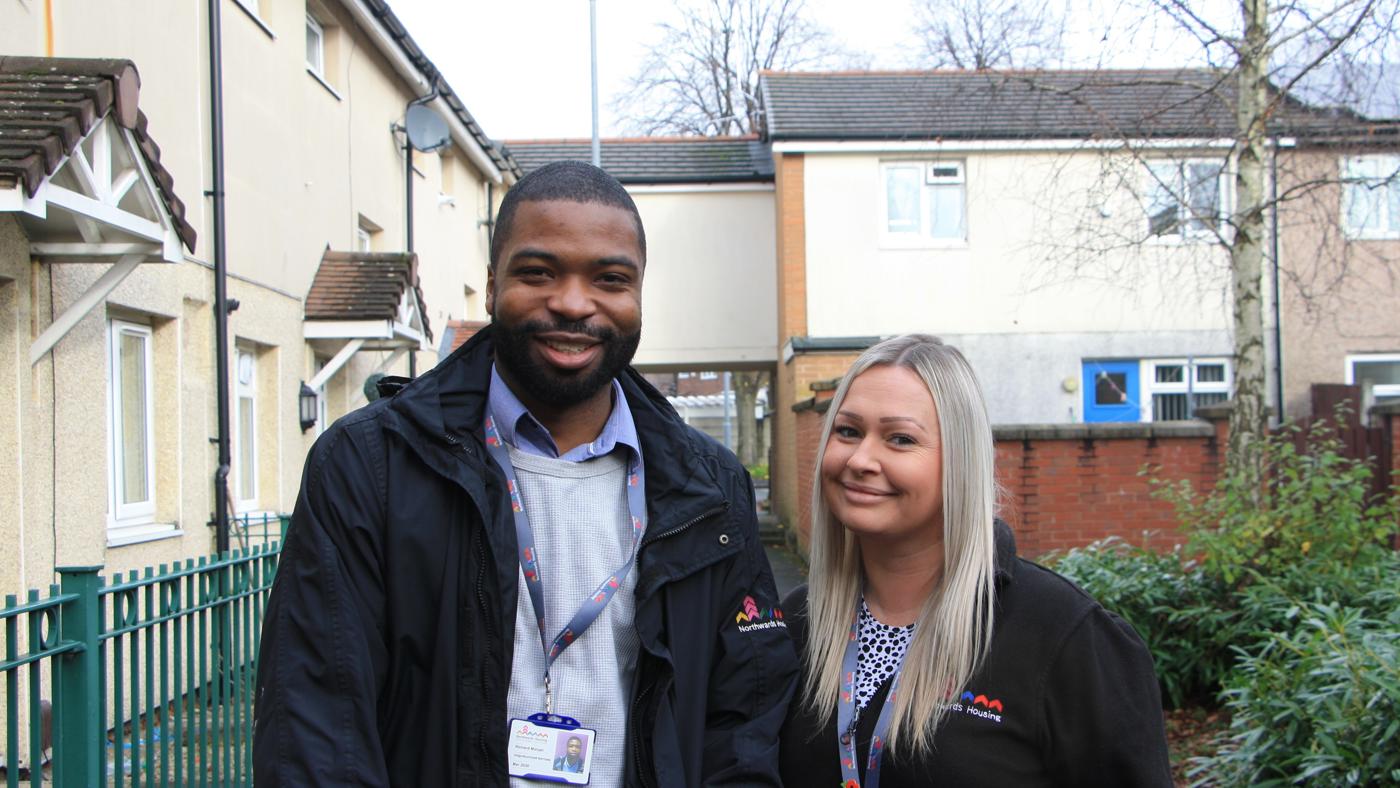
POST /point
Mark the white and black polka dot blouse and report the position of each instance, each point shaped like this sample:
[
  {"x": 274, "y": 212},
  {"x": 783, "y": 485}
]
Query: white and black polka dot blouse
[{"x": 881, "y": 649}]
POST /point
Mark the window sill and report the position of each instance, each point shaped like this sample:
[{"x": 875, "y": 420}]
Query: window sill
[
  {"x": 902, "y": 245},
  {"x": 138, "y": 533},
  {"x": 324, "y": 83},
  {"x": 1181, "y": 240},
  {"x": 257, "y": 20},
  {"x": 1352, "y": 235}
]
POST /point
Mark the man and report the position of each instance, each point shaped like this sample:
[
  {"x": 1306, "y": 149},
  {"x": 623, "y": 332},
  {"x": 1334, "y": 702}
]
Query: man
[
  {"x": 460, "y": 559},
  {"x": 572, "y": 760}
]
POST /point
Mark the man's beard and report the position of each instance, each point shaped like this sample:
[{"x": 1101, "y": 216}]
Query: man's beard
[{"x": 546, "y": 384}]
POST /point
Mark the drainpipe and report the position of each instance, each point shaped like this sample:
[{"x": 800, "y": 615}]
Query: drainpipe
[
  {"x": 490, "y": 220},
  {"x": 593, "y": 64},
  {"x": 408, "y": 205},
  {"x": 408, "y": 222},
  {"x": 1278, "y": 288},
  {"x": 216, "y": 145}
]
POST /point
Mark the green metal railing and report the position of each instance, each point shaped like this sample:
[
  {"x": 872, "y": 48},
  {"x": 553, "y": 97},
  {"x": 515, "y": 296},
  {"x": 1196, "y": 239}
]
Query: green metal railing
[{"x": 146, "y": 680}]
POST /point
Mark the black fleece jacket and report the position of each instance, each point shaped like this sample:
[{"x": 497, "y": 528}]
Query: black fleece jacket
[
  {"x": 387, "y": 642},
  {"x": 1067, "y": 697}
]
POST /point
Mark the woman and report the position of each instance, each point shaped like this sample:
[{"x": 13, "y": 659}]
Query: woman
[{"x": 910, "y": 676}]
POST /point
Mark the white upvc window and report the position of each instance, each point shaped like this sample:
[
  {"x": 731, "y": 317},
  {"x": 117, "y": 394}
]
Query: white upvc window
[
  {"x": 245, "y": 432},
  {"x": 924, "y": 203},
  {"x": 132, "y": 424},
  {"x": 1174, "y": 388},
  {"x": 315, "y": 46},
  {"x": 1378, "y": 375},
  {"x": 322, "y": 409},
  {"x": 1371, "y": 196},
  {"x": 1186, "y": 198}
]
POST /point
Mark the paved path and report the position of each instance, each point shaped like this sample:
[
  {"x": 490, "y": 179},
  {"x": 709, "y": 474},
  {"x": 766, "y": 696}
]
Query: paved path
[{"x": 788, "y": 570}]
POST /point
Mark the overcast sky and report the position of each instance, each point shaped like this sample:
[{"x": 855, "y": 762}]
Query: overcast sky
[{"x": 522, "y": 66}]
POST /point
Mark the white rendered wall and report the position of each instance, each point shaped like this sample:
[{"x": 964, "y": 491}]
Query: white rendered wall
[
  {"x": 709, "y": 294},
  {"x": 1022, "y": 268}
]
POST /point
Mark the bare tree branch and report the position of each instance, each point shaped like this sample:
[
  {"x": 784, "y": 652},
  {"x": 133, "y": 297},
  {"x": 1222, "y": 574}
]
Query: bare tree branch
[
  {"x": 984, "y": 34},
  {"x": 701, "y": 77}
]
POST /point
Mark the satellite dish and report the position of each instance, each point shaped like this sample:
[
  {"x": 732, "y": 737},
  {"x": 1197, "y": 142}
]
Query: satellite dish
[{"x": 427, "y": 130}]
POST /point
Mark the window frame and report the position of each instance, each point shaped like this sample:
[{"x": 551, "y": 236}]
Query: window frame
[
  {"x": 1190, "y": 385},
  {"x": 240, "y": 390},
  {"x": 318, "y": 68},
  {"x": 922, "y": 238},
  {"x": 323, "y": 410},
  {"x": 1383, "y": 163},
  {"x": 1386, "y": 390},
  {"x": 124, "y": 515},
  {"x": 1183, "y": 232}
]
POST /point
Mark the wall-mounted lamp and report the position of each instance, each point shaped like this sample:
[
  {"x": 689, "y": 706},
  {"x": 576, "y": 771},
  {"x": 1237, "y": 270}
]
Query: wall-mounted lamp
[{"x": 307, "y": 405}]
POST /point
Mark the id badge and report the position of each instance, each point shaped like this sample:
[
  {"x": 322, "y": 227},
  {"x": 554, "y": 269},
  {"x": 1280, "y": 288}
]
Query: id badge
[{"x": 550, "y": 748}]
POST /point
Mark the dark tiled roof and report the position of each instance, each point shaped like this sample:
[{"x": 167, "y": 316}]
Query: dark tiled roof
[
  {"x": 648, "y": 160},
  {"x": 985, "y": 105},
  {"x": 364, "y": 286},
  {"x": 49, "y": 105},
  {"x": 457, "y": 333},
  {"x": 420, "y": 61}
]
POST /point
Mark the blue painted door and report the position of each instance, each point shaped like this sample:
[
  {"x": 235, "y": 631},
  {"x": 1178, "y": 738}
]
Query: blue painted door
[{"x": 1111, "y": 391}]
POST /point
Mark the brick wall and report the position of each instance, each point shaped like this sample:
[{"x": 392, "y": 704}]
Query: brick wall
[
  {"x": 791, "y": 486},
  {"x": 1068, "y": 485},
  {"x": 791, "y": 237}
]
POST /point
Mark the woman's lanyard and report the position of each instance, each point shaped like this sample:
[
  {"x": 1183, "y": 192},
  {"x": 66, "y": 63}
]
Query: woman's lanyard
[
  {"x": 592, "y": 607},
  {"x": 846, "y": 717}
]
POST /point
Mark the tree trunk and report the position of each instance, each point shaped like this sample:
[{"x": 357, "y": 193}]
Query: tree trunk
[
  {"x": 746, "y": 386},
  {"x": 1249, "y": 418}
]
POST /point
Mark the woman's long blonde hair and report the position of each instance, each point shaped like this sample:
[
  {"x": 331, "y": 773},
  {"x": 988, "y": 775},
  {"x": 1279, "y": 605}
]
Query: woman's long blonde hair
[{"x": 955, "y": 623}]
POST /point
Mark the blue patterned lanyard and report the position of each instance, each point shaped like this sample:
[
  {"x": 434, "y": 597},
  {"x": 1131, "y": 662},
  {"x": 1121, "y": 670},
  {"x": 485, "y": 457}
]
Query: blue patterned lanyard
[
  {"x": 592, "y": 607},
  {"x": 846, "y": 717}
]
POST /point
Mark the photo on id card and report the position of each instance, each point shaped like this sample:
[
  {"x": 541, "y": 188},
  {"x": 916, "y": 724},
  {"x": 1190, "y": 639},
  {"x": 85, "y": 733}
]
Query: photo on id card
[{"x": 550, "y": 752}]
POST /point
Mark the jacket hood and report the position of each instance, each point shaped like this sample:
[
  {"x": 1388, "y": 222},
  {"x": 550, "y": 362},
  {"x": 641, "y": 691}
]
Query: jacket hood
[{"x": 448, "y": 403}]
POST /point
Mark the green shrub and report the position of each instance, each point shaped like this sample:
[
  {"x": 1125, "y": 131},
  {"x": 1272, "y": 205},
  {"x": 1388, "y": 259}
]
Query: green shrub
[
  {"x": 1310, "y": 536},
  {"x": 759, "y": 471},
  {"x": 1317, "y": 703},
  {"x": 1149, "y": 590},
  {"x": 1313, "y": 515}
]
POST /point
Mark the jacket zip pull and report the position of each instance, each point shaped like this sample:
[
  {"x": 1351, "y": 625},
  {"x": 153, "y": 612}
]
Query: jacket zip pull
[{"x": 687, "y": 524}]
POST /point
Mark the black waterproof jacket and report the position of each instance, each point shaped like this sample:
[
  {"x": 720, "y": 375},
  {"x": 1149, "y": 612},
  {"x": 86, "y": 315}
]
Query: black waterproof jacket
[
  {"x": 387, "y": 642},
  {"x": 1067, "y": 696}
]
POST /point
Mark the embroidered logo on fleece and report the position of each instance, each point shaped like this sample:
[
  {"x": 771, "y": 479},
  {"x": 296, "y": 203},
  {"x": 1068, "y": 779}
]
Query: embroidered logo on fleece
[
  {"x": 980, "y": 706},
  {"x": 753, "y": 617}
]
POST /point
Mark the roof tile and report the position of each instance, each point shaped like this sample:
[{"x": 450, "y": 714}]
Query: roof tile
[
  {"x": 47, "y": 107},
  {"x": 364, "y": 286},
  {"x": 657, "y": 160},
  {"x": 929, "y": 105}
]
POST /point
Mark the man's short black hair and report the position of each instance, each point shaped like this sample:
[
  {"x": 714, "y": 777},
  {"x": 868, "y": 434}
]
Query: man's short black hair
[{"x": 574, "y": 181}]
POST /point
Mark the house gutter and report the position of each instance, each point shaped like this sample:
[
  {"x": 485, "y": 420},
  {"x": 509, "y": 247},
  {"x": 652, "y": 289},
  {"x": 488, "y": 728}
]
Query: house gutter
[
  {"x": 216, "y": 145},
  {"x": 389, "y": 47},
  {"x": 1278, "y": 285}
]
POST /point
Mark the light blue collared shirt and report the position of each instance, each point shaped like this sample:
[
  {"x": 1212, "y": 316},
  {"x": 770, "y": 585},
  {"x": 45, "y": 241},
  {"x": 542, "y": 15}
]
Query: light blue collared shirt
[{"x": 522, "y": 430}]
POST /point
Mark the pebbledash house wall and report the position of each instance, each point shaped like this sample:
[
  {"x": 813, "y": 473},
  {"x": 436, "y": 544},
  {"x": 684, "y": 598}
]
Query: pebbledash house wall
[
  {"x": 1340, "y": 294},
  {"x": 290, "y": 138}
]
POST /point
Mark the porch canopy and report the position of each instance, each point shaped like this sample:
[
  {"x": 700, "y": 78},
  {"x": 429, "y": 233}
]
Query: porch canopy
[
  {"x": 364, "y": 301},
  {"x": 79, "y": 168}
]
